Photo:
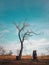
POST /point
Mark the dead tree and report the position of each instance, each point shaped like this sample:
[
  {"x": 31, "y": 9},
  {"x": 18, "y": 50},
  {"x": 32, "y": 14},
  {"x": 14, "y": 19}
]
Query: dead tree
[{"x": 23, "y": 33}]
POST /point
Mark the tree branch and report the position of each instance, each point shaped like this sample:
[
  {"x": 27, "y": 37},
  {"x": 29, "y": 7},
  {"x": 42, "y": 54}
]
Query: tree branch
[
  {"x": 16, "y": 26},
  {"x": 28, "y": 34},
  {"x": 24, "y": 25}
]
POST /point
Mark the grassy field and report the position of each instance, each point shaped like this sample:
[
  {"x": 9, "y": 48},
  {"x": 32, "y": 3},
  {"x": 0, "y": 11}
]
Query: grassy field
[{"x": 26, "y": 60}]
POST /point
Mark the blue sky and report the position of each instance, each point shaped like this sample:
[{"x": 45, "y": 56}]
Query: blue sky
[{"x": 36, "y": 13}]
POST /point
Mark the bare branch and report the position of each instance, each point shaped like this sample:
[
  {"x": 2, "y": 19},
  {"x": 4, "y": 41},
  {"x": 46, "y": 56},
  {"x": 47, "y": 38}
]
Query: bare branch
[
  {"x": 21, "y": 29},
  {"x": 16, "y": 26},
  {"x": 28, "y": 34},
  {"x": 23, "y": 26}
]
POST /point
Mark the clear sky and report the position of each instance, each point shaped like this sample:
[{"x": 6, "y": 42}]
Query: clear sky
[{"x": 36, "y": 12}]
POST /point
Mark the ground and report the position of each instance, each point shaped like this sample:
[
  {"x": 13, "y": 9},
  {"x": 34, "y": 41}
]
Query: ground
[{"x": 11, "y": 60}]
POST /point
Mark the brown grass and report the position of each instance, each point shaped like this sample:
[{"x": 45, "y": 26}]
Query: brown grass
[
  {"x": 26, "y": 60},
  {"x": 4, "y": 57}
]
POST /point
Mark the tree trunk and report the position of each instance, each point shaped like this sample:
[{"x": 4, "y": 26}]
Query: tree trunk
[{"x": 20, "y": 54}]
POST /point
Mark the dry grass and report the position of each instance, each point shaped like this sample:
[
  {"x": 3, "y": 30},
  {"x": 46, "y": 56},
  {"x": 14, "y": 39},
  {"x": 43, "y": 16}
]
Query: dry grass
[
  {"x": 26, "y": 60},
  {"x": 2, "y": 57}
]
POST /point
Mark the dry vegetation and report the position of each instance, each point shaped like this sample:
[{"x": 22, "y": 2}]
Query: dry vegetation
[{"x": 26, "y": 60}]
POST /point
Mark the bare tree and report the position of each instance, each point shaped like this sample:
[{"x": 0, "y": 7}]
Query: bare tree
[
  {"x": 23, "y": 33},
  {"x": 2, "y": 51},
  {"x": 10, "y": 52},
  {"x": 47, "y": 50}
]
